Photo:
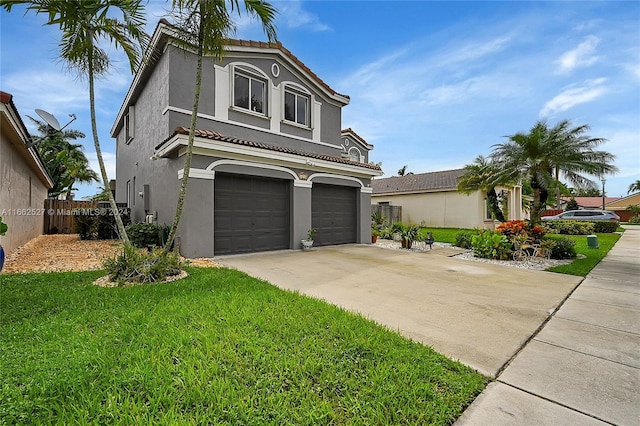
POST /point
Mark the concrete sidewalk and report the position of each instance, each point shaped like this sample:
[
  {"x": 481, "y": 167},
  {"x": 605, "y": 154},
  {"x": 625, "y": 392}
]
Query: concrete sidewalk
[{"x": 583, "y": 367}]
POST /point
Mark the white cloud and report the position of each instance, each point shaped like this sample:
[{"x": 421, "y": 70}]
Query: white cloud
[
  {"x": 109, "y": 163},
  {"x": 581, "y": 56},
  {"x": 293, "y": 16},
  {"x": 474, "y": 51},
  {"x": 53, "y": 91},
  {"x": 573, "y": 96},
  {"x": 624, "y": 143}
]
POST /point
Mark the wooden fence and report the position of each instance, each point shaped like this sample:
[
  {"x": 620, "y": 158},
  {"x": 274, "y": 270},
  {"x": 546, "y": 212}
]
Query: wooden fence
[
  {"x": 390, "y": 213},
  {"x": 58, "y": 215}
]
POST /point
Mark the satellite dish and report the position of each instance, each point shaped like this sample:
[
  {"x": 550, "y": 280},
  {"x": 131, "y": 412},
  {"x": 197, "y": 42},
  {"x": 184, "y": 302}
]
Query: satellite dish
[{"x": 49, "y": 119}]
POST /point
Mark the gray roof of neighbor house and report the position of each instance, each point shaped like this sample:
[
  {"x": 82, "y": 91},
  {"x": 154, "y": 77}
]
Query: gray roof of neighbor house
[
  {"x": 446, "y": 180},
  {"x": 212, "y": 135}
]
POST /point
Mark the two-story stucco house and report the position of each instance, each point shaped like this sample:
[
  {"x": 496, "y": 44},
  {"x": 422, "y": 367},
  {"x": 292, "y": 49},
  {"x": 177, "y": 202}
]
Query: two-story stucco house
[{"x": 270, "y": 158}]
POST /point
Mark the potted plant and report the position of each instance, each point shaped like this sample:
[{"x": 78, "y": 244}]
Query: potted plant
[
  {"x": 3, "y": 230},
  {"x": 409, "y": 235},
  {"x": 374, "y": 235},
  {"x": 308, "y": 243},
  {"x": 396, "y": 229}
]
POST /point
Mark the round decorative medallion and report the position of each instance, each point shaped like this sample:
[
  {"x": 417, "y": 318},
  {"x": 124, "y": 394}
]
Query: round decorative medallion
[
  {"x": 275, "y": 70},
  {"x": 346, "y": 142}
]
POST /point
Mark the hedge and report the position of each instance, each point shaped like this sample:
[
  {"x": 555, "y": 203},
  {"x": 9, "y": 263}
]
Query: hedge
[
  {"x": 573, "y": 227},
  {"x": 97, "y": 226}
]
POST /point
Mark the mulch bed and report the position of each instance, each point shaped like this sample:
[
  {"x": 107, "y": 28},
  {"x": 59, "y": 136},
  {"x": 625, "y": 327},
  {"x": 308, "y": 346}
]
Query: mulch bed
[
  {"x": 61, "y": 252},
  {"x": 67, "y": 252}
]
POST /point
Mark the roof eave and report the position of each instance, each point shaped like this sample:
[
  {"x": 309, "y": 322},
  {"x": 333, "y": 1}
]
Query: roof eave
[{"x": 177, "y": 141}]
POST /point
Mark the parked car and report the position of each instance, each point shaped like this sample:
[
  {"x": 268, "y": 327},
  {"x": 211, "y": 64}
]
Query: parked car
[{"x": 584, "y": 215}]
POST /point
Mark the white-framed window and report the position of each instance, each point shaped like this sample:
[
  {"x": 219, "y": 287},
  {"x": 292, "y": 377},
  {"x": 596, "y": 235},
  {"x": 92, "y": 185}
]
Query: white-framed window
[
  {"x": 249, "y": 91},
  {"x": 297, "y": 107},
  {"x": 129, "y": 123},
  {"x": 129, "y": 192},
  {"x": 354, "y": 154},
  {"x": 487, "y": 210}
]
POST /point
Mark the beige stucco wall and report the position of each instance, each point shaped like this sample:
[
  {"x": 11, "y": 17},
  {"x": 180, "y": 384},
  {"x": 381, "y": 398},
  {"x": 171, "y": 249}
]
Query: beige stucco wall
[
  {"x": 450, "y": 209},
  {"x": 440, "y": 209},
  {"x": 22, "y": 196}
]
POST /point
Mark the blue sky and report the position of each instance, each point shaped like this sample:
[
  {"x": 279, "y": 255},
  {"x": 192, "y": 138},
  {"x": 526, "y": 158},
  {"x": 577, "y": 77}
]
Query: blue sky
[{"x": 432, "y": 84}]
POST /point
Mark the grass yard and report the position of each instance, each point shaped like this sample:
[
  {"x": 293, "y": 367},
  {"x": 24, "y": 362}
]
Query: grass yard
[
  {"x": 582, "y": 267},
  {"x": 444, "y": 235},
  {"x": 218, "y": 347},
  {"x": 579, "y": 267}
]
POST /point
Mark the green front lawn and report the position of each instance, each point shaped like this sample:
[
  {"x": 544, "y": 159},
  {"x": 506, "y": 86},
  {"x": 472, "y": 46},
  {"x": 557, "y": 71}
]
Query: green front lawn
[
  {"x": 444, "y": 235},
  {"x": 582, "y": 267},
  {"x": 218, "y": 347}
]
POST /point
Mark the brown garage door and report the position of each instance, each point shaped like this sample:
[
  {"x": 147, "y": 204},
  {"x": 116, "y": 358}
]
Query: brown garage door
[
  {"x": 250, "y": 214},
  {"x": 334, "y": 214}
]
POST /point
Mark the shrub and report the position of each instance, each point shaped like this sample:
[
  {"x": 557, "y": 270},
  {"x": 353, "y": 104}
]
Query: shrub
[
  {"x": 568, "y": 227},
  {"x": 134, "y": 265},
  {"x": 410, "y": 233},
  {"x": 100, "y": 224},
  {"x": 85, "y": 226},
  {"x": 463, "y": 239},
  {"x": 147, "y": 234},
  {"x": 572, "y": 205},
  {"x": 536, "y": 232},
  {"x": 516, "y": 228},
  {"x": 386, "y": 233},
  {"x": 562, "y": 248},
  {"x": 634, "y": 219},
  {"x": 491, "y": 245},
  {"x": 512, "y": 228},
  {"x": 605, "y": 227}
]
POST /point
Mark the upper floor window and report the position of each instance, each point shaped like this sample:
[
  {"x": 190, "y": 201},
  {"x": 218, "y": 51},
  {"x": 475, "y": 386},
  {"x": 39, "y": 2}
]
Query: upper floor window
[
  {"x": 296, "y": 107},
  {"x": 129, "y": 122},
  {"x": 354, "y": 154},
  {"x": 249, "y": 92}
]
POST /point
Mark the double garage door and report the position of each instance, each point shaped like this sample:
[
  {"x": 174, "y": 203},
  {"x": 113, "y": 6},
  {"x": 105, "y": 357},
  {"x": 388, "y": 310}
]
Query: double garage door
[{"x": 252, "y": 214}]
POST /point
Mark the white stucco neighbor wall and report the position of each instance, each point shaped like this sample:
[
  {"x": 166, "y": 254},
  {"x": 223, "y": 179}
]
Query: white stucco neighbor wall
[
  {"x": 451, "y": 209},
  {"x": 22, "y": 196}
]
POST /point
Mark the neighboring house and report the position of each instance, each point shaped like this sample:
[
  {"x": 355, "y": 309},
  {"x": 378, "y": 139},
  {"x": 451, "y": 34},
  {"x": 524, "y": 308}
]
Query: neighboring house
[
  {"x": 620, "y": 206},
  {"x": 270, "y": 159},
  {"x": 587, "y": 202},
  {"x": 431, "y": 199},
  {"x": 24, "y": 180}
]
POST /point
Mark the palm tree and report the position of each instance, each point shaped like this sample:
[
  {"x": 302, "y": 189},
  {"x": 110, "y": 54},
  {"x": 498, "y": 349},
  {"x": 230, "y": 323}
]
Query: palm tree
[
  {"x": 482, "y": 175},
  {"x": 543, "y": 154},
  {"x": 83, "y": 24},
  {"x": 65, "y": 162},
  {"x": 403, "y": 170},
  {"x": 204, "y": 26},
  {"x": 634, "y": 187}
]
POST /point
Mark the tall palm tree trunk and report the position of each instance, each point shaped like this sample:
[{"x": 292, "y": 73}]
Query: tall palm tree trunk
[
  {"x": 189, "y": 154},
  {"x": 558, "y": 188},
  {"x": 103, "y": 171},
  {"x": 494, "y": 205}
]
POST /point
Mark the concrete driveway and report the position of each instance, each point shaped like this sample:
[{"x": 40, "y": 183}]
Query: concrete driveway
[{"x": 477, "y": 313}]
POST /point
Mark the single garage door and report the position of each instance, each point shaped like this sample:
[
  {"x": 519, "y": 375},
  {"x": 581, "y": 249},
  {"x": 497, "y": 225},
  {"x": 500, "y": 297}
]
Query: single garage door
[
  {"x": 250, "y": 214},
  {"x": 334, "y": 214}
]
